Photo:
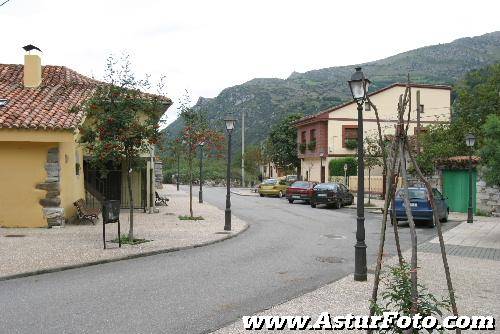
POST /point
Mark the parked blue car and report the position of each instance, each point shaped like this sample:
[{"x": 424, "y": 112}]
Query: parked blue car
[{"x": 421, "y": 208}]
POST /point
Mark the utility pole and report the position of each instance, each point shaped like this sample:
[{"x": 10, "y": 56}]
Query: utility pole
[
  {"x": 418, "y": 121},
  {"x": 243, "y": 148}
]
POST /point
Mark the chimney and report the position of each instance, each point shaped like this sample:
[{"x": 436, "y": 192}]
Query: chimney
[{"x": 32, "y": 68}]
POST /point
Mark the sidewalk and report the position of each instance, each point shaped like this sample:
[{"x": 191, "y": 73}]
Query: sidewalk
[
  {"x": 35, "y": 250},
  {"x": 474, "y": 259}
]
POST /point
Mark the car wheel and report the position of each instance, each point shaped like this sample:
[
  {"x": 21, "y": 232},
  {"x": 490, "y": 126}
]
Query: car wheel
[
  {"x": 445, "y": 218},
  {"x": 280, "y": 194},
  {"x": 290, "y": 201},
  {"x": 432, "y": 223},
  {"x": 313, "y": 205},
  {"x": 261, "y": 195}
]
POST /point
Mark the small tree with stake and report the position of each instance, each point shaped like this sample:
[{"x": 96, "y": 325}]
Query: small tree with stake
[
  {"x": 373, "y": 158},
  {"x": 123, "y": 122},
  {"x": 195, "y": 131}
]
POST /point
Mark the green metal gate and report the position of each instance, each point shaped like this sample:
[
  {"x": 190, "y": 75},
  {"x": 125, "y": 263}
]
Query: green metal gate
[{"x": 456, "y": 188}]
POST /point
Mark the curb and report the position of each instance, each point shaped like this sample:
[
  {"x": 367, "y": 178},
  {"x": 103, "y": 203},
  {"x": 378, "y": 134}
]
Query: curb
[
  {"x": 372, "y": 209},
  {"x": 122, "y": 258},
  {"x": 241, "y": 194}
]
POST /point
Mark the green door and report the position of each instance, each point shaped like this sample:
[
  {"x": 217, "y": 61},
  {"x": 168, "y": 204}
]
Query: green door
[{"x": 456, "y": 188}]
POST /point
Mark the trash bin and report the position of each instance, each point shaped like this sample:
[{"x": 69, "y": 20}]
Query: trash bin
[
  {"x": 111, "y": 211},
  {"x": 110, "y": 214}
]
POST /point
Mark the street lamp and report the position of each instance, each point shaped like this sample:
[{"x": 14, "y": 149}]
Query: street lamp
[
  {"x": 322, "y": 176},
  {"x": 200, "y": 193},
  {"x": 469, "y": 141},
  {"x": 345, "y": 175},
  {"x": 178, "y": 168},
  {"x": 359, "y": 88},
  {"x": 230, "y": 122}
]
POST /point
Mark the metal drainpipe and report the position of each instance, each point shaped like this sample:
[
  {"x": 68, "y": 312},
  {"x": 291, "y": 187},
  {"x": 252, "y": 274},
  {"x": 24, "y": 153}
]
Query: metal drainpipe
[{"x": 151, "y": 180}]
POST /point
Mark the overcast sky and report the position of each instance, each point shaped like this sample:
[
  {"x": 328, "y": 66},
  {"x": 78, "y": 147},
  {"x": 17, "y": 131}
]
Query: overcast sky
[{"x": 205, "y": 46}]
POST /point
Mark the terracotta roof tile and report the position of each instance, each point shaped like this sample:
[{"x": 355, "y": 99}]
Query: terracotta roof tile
[{"x": 47, "y": 106}]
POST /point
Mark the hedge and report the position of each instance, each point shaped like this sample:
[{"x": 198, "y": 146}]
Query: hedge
[{"x": 336, "y": 166}]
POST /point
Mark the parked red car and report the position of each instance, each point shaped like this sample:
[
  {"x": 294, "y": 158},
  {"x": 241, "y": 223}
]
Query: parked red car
[{"x": 300, "y": 191}]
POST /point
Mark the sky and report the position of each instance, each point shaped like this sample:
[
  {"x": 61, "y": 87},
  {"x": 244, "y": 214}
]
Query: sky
[{"x": 204, "y": 46}]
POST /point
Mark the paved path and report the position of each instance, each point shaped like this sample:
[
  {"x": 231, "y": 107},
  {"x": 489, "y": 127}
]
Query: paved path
[
  {"x": 288, "y": 251},
  {"x": 474, "y": 272},
  {"x": 28, "y": 250}
]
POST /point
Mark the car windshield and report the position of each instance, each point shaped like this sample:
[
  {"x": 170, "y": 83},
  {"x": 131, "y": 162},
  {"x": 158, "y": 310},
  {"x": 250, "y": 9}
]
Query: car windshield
[
  {"x": 300, "y": 184},
  {"x": 270, "y": 181},
  {"x": 413, "y": 193},
  {"x": 326, "y": 186}
]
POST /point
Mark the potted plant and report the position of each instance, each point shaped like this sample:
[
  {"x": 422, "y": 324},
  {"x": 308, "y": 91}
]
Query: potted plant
[
  {"x": 302, "y": 148},
  {"x": 312, "y": 145},
  {"x": 351, "y": 144}
]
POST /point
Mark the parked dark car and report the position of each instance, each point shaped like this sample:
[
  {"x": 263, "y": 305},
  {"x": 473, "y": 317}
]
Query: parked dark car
[
  {"x": 331, "y": 194},
  {"x": 300, "y": 191},
  {"x": 420, "y": 204}
]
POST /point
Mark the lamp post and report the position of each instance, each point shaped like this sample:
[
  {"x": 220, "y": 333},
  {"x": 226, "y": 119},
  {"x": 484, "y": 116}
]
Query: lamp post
[
  {"x": 200, "y": 193},
  {"x": 345, "y": 175},
  {"x": 359, "y": 88},
  {"x": 230, "y": 121},
  {"x": 321, "y": 174},
  {"x": 178, "y": 169},
  {"x": 470, "y": 139}
]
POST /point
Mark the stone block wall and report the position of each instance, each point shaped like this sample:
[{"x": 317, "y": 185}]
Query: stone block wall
[
  {"x": 487, "y": 197},
  {"x": 158, "y": 174},
  {"x": 52, "y": 201}
]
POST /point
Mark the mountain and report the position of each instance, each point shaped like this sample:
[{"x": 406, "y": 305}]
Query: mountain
[{"x": 266, "y": 101}]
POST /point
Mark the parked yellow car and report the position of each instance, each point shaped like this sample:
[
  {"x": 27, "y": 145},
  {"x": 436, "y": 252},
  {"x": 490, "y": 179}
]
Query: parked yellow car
[{"x": 273, "y": 187}]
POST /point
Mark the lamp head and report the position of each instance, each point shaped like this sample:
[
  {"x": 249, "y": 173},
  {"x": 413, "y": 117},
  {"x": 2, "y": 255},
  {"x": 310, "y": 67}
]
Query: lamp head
[
  {"x": 470, "y": 139},
  {"x": 359, "y": 85},
  {"x": 230, "y": 122}
]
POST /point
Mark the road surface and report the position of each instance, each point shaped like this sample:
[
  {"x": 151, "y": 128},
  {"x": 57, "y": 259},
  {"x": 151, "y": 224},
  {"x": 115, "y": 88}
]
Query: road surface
[{"x": 288, "y": 250}]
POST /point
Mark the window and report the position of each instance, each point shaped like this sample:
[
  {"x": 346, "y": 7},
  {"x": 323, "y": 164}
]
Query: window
[
  {"x": 303, "y": 137},
  {"x": 312, "y": 135},
  {"x": 422, "y": 130},
  {"x": 349, "y": 133},
  {"x": 77, "y": 163}
]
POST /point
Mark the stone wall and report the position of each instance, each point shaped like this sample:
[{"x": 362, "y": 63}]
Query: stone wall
[
  {"x": 158, "y": 174},
  {"x": 487, "y": 198},
  {"x": 51, "y": 204}
]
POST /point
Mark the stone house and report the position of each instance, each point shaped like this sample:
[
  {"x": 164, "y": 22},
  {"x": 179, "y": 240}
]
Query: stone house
[{"x": 43, "y": 169}]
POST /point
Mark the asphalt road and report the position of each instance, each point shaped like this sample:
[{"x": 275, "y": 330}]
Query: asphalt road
[{"x": 287, "y": 251}]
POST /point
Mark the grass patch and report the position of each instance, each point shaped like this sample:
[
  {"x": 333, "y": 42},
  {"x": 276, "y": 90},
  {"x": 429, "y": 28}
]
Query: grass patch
[
  {"x": 483, "y": 213},
  {"x": 191, "y": 218},
  {"x": 125, "y": 240},
  {"x": 370, "y": 205}
]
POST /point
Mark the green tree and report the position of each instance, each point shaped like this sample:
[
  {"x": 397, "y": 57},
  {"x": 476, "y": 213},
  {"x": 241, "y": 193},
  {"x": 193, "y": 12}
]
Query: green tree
[
  {"x": 196, "y": 130},
  {"x": 477, "y": 97},
  {"x": 283, "y": 142},
  {"x": 373, "y": 158},
  {"x": 490, "y": 151},
  {"x": 123, "y": 122}
]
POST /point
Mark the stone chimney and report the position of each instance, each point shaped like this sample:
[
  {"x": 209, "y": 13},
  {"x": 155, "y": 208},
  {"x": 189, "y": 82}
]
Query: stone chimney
[{"x": 32, "y": 71}]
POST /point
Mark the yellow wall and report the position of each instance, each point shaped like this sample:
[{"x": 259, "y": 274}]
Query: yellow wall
[
  {"x": 436, "y": 108},
  {"x": 28, "y": 163},
  {"x": 22, "y": 135},
  {"x": 21, "y": 168},
  {"x": 136, "y": 187},
  {"x": 72, "y": 185},
  {"x": 313, "y": 167}
]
